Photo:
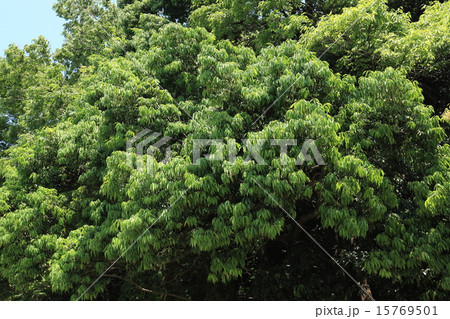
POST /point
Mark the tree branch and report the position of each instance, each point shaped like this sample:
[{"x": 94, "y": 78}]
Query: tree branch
[{"x": 145, "y": 289}]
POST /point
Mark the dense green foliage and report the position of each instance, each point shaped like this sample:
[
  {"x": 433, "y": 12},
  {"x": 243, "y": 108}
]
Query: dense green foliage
[{"x": 369, "y": 84}]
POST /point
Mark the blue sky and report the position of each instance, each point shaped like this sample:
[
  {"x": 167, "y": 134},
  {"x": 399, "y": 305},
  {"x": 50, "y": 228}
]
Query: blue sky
[{"x": 24, "y": 20}]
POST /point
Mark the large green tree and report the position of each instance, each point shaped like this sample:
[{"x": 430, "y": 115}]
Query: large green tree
[{"x": 72, "y": 206}]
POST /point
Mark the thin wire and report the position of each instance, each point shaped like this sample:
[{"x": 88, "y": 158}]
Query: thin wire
[
  {"x": 315, "y": 241},
  {"x": 129, "y": 247}
]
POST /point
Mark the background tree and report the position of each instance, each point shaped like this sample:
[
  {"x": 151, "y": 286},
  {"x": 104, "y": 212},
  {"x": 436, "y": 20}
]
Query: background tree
[
  {"x": 383, "y": 38},
  {"x": 32, "y": 91},
  {"x": 89, "y": 27}
]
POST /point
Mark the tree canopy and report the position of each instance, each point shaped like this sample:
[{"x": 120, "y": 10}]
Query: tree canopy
[{"x": 367, "y": 81}]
